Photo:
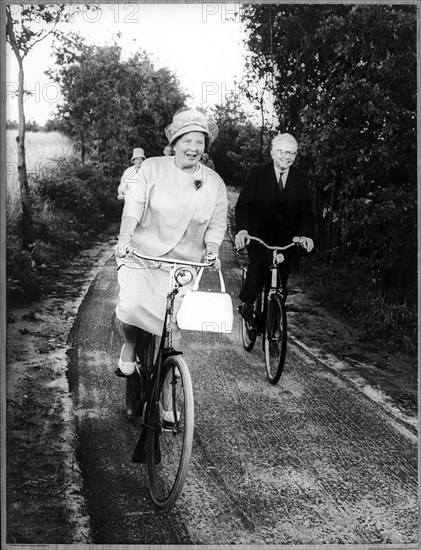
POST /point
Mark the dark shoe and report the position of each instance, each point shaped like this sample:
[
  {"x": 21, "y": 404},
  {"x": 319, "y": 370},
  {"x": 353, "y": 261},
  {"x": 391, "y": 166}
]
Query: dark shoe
[
  {"x": 246, "y": 311},
  {"x": 168, "y": 420},
  {"x": 121, "y": 374},
  {"x": 168, "y": 426}
]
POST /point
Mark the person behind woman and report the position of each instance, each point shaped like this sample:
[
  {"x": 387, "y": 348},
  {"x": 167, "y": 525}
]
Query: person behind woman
[
  {"x": 176, "y": 209},
  {"x": 167, "y": 151},
  {"x": 130, "y": 174}
]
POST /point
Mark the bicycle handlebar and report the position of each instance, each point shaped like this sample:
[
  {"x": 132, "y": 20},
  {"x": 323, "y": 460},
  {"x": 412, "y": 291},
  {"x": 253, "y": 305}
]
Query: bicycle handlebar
[
  {"x": 291, "y": 245},
  {"x": 174, "y": 261}
]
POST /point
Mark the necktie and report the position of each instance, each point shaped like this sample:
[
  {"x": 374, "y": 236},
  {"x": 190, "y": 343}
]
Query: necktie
[{"x": 281, "y": 180}]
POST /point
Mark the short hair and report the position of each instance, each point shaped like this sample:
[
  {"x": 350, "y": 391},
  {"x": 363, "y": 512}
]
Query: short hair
[{"x": 284, "y": 137}]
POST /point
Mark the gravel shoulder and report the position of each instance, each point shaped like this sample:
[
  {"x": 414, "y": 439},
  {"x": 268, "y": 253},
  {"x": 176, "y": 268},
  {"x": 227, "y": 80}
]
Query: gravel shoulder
[{"x": 45, "y": 501}]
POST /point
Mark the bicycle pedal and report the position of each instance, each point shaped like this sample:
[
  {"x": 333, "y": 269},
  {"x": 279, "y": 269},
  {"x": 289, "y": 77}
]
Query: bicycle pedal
[
  {"x": 121, "y": 374},
  {"x": 168, "y": 426}
]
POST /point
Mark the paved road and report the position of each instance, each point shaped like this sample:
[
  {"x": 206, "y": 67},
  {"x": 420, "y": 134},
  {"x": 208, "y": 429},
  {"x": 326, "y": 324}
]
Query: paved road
[{"x": 309, "y": 461}]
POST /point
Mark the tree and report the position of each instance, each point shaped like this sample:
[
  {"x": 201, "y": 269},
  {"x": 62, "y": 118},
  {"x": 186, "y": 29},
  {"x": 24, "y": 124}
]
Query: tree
[
  {"x": 111, "y": 106},
  {"x": 23, "y": 33},
  {"x": 238, "y": 145},
  {"x": 71, "y": 53},
  {"x": 344, "y": 82},
  {"x": 278, "y": 38}
]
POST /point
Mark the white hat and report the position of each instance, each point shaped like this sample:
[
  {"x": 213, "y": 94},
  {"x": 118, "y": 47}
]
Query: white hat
[
  {"x": 138, "y": 152},
  {"x": 190, "y": 120}
]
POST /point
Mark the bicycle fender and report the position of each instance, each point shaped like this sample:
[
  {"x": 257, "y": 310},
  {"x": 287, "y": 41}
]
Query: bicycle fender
[{"x": 168, "y": 352}]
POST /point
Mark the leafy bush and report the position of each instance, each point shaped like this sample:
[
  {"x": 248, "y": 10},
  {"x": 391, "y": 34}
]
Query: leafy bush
[
  {"x": 24, "y": 281},
  {"x": 75, "y": 203},
  {"x": 350, "y": 290},
  {"x": 238, "y": 145},
  {"x": 381, "y": 229},
  {"x": 393, "y": 323},
  {"x": 72, "y": 204},
  {"x": 43, "y": 254}
]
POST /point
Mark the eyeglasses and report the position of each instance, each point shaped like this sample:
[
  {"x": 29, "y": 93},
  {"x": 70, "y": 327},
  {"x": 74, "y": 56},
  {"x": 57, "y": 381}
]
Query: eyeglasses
[{"x": 285, "y": 153}]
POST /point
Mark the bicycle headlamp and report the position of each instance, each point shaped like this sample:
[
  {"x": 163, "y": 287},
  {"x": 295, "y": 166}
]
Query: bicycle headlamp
[
  {"x": 280, "y": 258},
  {"x": 183, "y": 276}
]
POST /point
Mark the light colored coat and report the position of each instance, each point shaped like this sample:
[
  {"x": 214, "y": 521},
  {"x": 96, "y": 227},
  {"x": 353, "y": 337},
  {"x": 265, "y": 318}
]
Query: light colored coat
[
  {"x": 175, "y": 219},
  {"x": 170, "y": 209},
  {"x": 128, "y": 178}
]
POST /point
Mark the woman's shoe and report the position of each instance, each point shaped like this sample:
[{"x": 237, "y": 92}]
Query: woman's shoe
[{"x": 125, "y": 368}]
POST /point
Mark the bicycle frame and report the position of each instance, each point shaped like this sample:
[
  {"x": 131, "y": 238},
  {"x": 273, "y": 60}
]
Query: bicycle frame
[
  {"x": 270, "y": 315},
  {"x": 277, "y": 258},
  {"x": 165, "y": 348}
]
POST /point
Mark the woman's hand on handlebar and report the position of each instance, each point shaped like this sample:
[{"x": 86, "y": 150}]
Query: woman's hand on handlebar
[
  {"x": 212, "y": 255},
  {"x": 212, "y": 258},
  {"x": 123, "y": 245},
  {"x": 242, "y": 239}
]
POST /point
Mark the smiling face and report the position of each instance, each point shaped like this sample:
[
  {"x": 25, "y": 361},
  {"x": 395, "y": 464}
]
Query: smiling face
[
  {"x": 283, "y": 152},
  {"x": 189, "y": 149}
]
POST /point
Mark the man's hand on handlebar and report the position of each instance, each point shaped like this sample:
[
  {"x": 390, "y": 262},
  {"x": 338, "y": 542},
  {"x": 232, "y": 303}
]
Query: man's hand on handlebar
[
  {"x": 305, "y": 242},
  {"x": 242, "y": 239}
]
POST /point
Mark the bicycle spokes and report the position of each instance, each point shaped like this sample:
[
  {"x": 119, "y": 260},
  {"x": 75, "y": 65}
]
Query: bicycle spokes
[
  {"x": 275, "y": 339},
  {"x": 275, "y": 336},
  {"x": 175, "y": 433}
]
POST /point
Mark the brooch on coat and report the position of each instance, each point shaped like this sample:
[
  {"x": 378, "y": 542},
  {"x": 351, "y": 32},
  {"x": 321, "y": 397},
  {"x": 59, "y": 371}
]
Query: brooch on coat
[{"x": 198, "y": 184}]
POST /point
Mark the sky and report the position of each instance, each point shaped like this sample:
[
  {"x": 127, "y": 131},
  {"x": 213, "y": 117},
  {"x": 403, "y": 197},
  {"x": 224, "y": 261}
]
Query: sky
[{"x": 200, "y": 43}]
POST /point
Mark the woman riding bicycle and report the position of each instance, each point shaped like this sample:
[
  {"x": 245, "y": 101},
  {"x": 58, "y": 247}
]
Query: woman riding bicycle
[
  {"x": 274, "y": 205},
  {"x": 177, "y": 209}
]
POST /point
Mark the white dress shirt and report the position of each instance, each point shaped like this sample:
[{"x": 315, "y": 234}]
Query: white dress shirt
[{"x": 284, "y": 176}]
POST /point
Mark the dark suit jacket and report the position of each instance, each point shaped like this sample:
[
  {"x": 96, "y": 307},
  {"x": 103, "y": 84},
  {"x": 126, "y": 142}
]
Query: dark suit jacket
[{"x": 256, "y": 208}]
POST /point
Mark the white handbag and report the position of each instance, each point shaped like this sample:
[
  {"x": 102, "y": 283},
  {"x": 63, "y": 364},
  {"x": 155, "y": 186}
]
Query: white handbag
[{"x": 205, "y": 310}]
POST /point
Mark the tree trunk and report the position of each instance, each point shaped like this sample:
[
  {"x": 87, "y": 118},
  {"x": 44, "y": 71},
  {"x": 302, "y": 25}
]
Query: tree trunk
[
  {"x": 27, "y": 228},
  {"x": 25, "y": 194},
  {"x": 262, "y": 129},
  {"x": 82, "y": 146},
  {"x": 331, "y": 241}
]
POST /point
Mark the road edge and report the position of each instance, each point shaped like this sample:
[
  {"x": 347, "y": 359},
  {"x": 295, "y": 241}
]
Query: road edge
[{"x": 82, "y": 271}]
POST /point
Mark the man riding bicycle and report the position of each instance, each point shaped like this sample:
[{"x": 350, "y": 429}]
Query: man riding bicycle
[{"x": 274, "y": 205}]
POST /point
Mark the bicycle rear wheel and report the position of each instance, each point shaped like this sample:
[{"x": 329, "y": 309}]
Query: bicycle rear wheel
[
  {"x": 135, "y": 383},
  {"x": 275, "y": 338},
  {"x": 169, "y": 447},
  {"x": 248, "y": 331}
]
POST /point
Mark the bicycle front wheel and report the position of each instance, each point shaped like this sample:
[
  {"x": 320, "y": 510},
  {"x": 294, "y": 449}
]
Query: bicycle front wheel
[
  {"x": 275, "y": 338},
  {"x": 170, "y": 445}
]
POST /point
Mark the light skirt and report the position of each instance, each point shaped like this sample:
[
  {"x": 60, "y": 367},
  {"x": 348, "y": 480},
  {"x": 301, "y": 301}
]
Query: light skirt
[{"x": 143, "y": 297}]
